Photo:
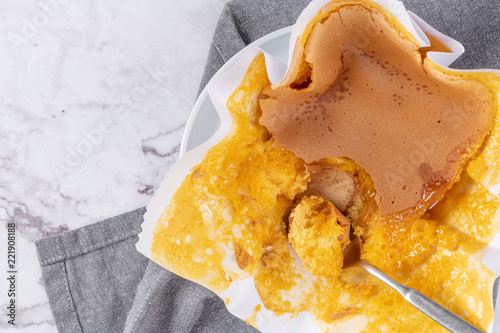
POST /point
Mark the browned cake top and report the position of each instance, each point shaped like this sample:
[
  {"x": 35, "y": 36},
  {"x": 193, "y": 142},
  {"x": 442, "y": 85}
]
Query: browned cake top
[{"x": 371, "y": 97}]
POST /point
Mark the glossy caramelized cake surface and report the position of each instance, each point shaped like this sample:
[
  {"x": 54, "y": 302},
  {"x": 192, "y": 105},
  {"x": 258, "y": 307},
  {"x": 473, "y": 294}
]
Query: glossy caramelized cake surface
[
  {"x": 373, "y": 99},
  {"x": 266, "y": 202}
]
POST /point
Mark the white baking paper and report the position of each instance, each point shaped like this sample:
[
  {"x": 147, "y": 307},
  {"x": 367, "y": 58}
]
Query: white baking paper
[{"x": 242, "y": 295}]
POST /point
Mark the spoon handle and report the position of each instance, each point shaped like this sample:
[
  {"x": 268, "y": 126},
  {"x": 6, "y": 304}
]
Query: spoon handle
[{"x": 435, "y": 311}]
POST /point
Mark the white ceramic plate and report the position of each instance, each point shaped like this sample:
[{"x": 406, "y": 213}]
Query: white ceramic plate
[{"x": 203, "y": 121}]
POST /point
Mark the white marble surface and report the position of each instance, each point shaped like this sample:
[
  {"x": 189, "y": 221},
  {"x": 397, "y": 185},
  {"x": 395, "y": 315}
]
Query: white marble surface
[{"x": 94, "y": 99}]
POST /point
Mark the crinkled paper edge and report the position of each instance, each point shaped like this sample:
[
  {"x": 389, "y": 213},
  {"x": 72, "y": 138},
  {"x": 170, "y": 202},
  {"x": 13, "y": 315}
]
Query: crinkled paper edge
[{"x": 242, "y": 295}]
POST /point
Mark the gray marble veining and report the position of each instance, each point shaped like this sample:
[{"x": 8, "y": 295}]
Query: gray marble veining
[{"x": 94, "y": 99}]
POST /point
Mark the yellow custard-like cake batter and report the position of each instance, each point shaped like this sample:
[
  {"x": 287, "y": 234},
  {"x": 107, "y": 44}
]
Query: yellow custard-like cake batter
[
  {"x": 244, "y": 211},
  {"x": 319, "y": 233},
  {"x": 234, "y": 200}
]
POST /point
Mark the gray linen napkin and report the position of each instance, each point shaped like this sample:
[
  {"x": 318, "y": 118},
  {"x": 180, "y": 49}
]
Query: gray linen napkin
[{"x": 95, "y": 279}]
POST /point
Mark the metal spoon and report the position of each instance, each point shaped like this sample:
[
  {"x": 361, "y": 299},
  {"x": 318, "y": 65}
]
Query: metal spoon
[{"x": 441, "y": 315}]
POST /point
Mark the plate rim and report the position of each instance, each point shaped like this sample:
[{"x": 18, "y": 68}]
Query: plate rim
[{"x": 188, "y": 130}]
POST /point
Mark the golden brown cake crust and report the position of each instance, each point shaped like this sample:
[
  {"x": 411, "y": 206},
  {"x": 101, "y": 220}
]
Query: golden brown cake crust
[
  {"x": 243, "y": 258},
  {"x": 373, "y": 99},
  {"x": 319, "y": 233}
]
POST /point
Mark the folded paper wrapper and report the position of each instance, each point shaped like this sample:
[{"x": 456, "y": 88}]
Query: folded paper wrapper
[{"x": 242, "y": 294}]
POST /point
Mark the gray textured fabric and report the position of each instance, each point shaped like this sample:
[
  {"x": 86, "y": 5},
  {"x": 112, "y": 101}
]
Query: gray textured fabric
[
  {"x": 95, "y": 279},
  {"x": 243, "y": 22},
  {"x": 476, "y": 24},
  {"x": 168, "y": 303},
  {"x": 91, "y": 274}
]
